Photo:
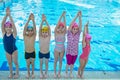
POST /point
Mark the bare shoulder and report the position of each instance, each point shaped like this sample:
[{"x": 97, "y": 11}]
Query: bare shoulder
[
  {"x": 14, "y": 35},
  {"x": 3, "y": 33}
]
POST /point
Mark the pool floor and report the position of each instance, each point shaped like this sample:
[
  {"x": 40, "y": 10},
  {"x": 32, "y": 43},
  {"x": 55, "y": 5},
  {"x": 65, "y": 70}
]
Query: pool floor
[{"x": 88, "y": 75}]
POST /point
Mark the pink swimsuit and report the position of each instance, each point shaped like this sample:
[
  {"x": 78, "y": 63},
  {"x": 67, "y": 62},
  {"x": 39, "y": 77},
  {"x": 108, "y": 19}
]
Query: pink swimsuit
[
  {"x": 86, "y": 51},
  {"x": 59, "y": 43}
]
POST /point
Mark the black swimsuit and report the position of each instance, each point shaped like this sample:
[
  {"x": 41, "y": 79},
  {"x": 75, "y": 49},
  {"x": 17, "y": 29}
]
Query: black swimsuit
[{"x": 9, "y": 44}]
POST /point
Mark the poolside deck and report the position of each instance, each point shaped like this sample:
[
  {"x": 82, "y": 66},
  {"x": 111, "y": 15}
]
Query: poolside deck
[{"x": 88, "y": 75}]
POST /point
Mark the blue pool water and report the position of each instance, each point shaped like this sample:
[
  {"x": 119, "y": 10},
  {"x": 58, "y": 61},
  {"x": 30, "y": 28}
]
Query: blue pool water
[{"x": 104, "y": 19}]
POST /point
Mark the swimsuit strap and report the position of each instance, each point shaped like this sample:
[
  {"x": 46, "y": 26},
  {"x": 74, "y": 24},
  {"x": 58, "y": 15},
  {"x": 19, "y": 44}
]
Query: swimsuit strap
[{"x": 60, "y": 40}]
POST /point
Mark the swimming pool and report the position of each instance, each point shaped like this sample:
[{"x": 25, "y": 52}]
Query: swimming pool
[{"x": 104, "y": 26}]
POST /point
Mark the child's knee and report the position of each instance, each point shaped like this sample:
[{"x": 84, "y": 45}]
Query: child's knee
[{"x": 10, "y": 63}]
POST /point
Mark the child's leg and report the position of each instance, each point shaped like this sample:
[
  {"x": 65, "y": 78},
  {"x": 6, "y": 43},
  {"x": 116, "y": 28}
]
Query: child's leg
[
  {"x": 9, "y": 59},
  {"x": 68, "y": 58},
  {"x": 46, "y": 63},
  {"x": 82, "y": 65},
  {"x": 33, "y": 63},
  {"x": 41, "y": 64},
  {"x": 60, "y": 63},
  {"x": 66, "y": 70},
  {"x": 28, "y": 68},
  {"x": 56, "y": 54},
  {"x": 73, "y": 59},
  {"x": 71, "y": 69},
  {"x": 15, "y": 59},
  {"x": 79, "y": 71}
]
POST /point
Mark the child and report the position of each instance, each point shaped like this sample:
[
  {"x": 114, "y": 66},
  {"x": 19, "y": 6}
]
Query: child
[
  {"x": 29, "y": 34},
  {"x": 9, "y": 33},
  {"x": 86, "y": 50},
  {"x": 73, "y": 39},
  {"x": 60, "y": 31},
  {"x": 44, "y": 42}
]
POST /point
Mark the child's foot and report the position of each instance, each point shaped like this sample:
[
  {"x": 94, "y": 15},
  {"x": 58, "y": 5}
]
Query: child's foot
[
  {"x": 55, "y": 75},
  {"x": 16, "y": 76},
  {"x": 78, "y": 76},
  {"x": 27, "y": 76},
  {"x": 66, "y": 75},
  {"x": 71, "y": 75},
  {"x": 45, "y": 75},
  {"x": 59, "y": 75},
  {"x": 33, "y": 76},
  {"x": 81, "y": 77},
  {"x": 41, "y": 75},
  {"x": 10, "y": 76}
]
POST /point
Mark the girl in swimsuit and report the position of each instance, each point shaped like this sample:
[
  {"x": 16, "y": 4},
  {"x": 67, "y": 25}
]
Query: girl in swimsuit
[
  {"x": 60, "y": 31},
  {"x": 9, "y": 33},
  {"x": 73, "y": 34},
  {"x": 86, "y": 50}
]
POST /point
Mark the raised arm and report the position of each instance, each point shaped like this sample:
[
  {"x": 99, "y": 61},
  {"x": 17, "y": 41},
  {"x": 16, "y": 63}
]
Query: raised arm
[
  {"x": 70, "y": 27},
  {"x": 83, "y": 39},
  {"x": 59, "y": 21},
  {"x": 86, "y": 28},
  {"x": 25, "y": 27},
  {"x": 13, "y": 26},
  {"x": 2, "y": 26},
  {"x": 64, "y": 19},
  {"x": 33, "y": 20},
  {"x": 60, "y": 18},
  {"x": 48, "y": 27},
  {"x": 80, "y": 21},
  {"x": 84, "y": 34},
  {"x": 43, "y": 19},
  {"x": 4, "y": 20}
]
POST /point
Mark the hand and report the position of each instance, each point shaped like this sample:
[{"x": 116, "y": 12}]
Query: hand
[
  {"x": 43, "y": 17},
  {"x": 64, "y": 12},
  {"x": 32, "y": 16},
  {"x": 79, "y": 13},
  {"x": 8, "y": 11},
  {"x": 87, "y": 23}
]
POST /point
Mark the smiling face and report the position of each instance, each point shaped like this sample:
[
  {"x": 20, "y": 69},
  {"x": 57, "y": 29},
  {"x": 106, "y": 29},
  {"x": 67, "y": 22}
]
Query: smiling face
[
  {"x": 45, "y": 31},
  {"x": 75, "y": 30},
  {"x": 30, "y": 31},
  {"x": 44, "y": 34},
  {"x": 8, "y": 29},
  {"x": 60, "y": 29}
]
